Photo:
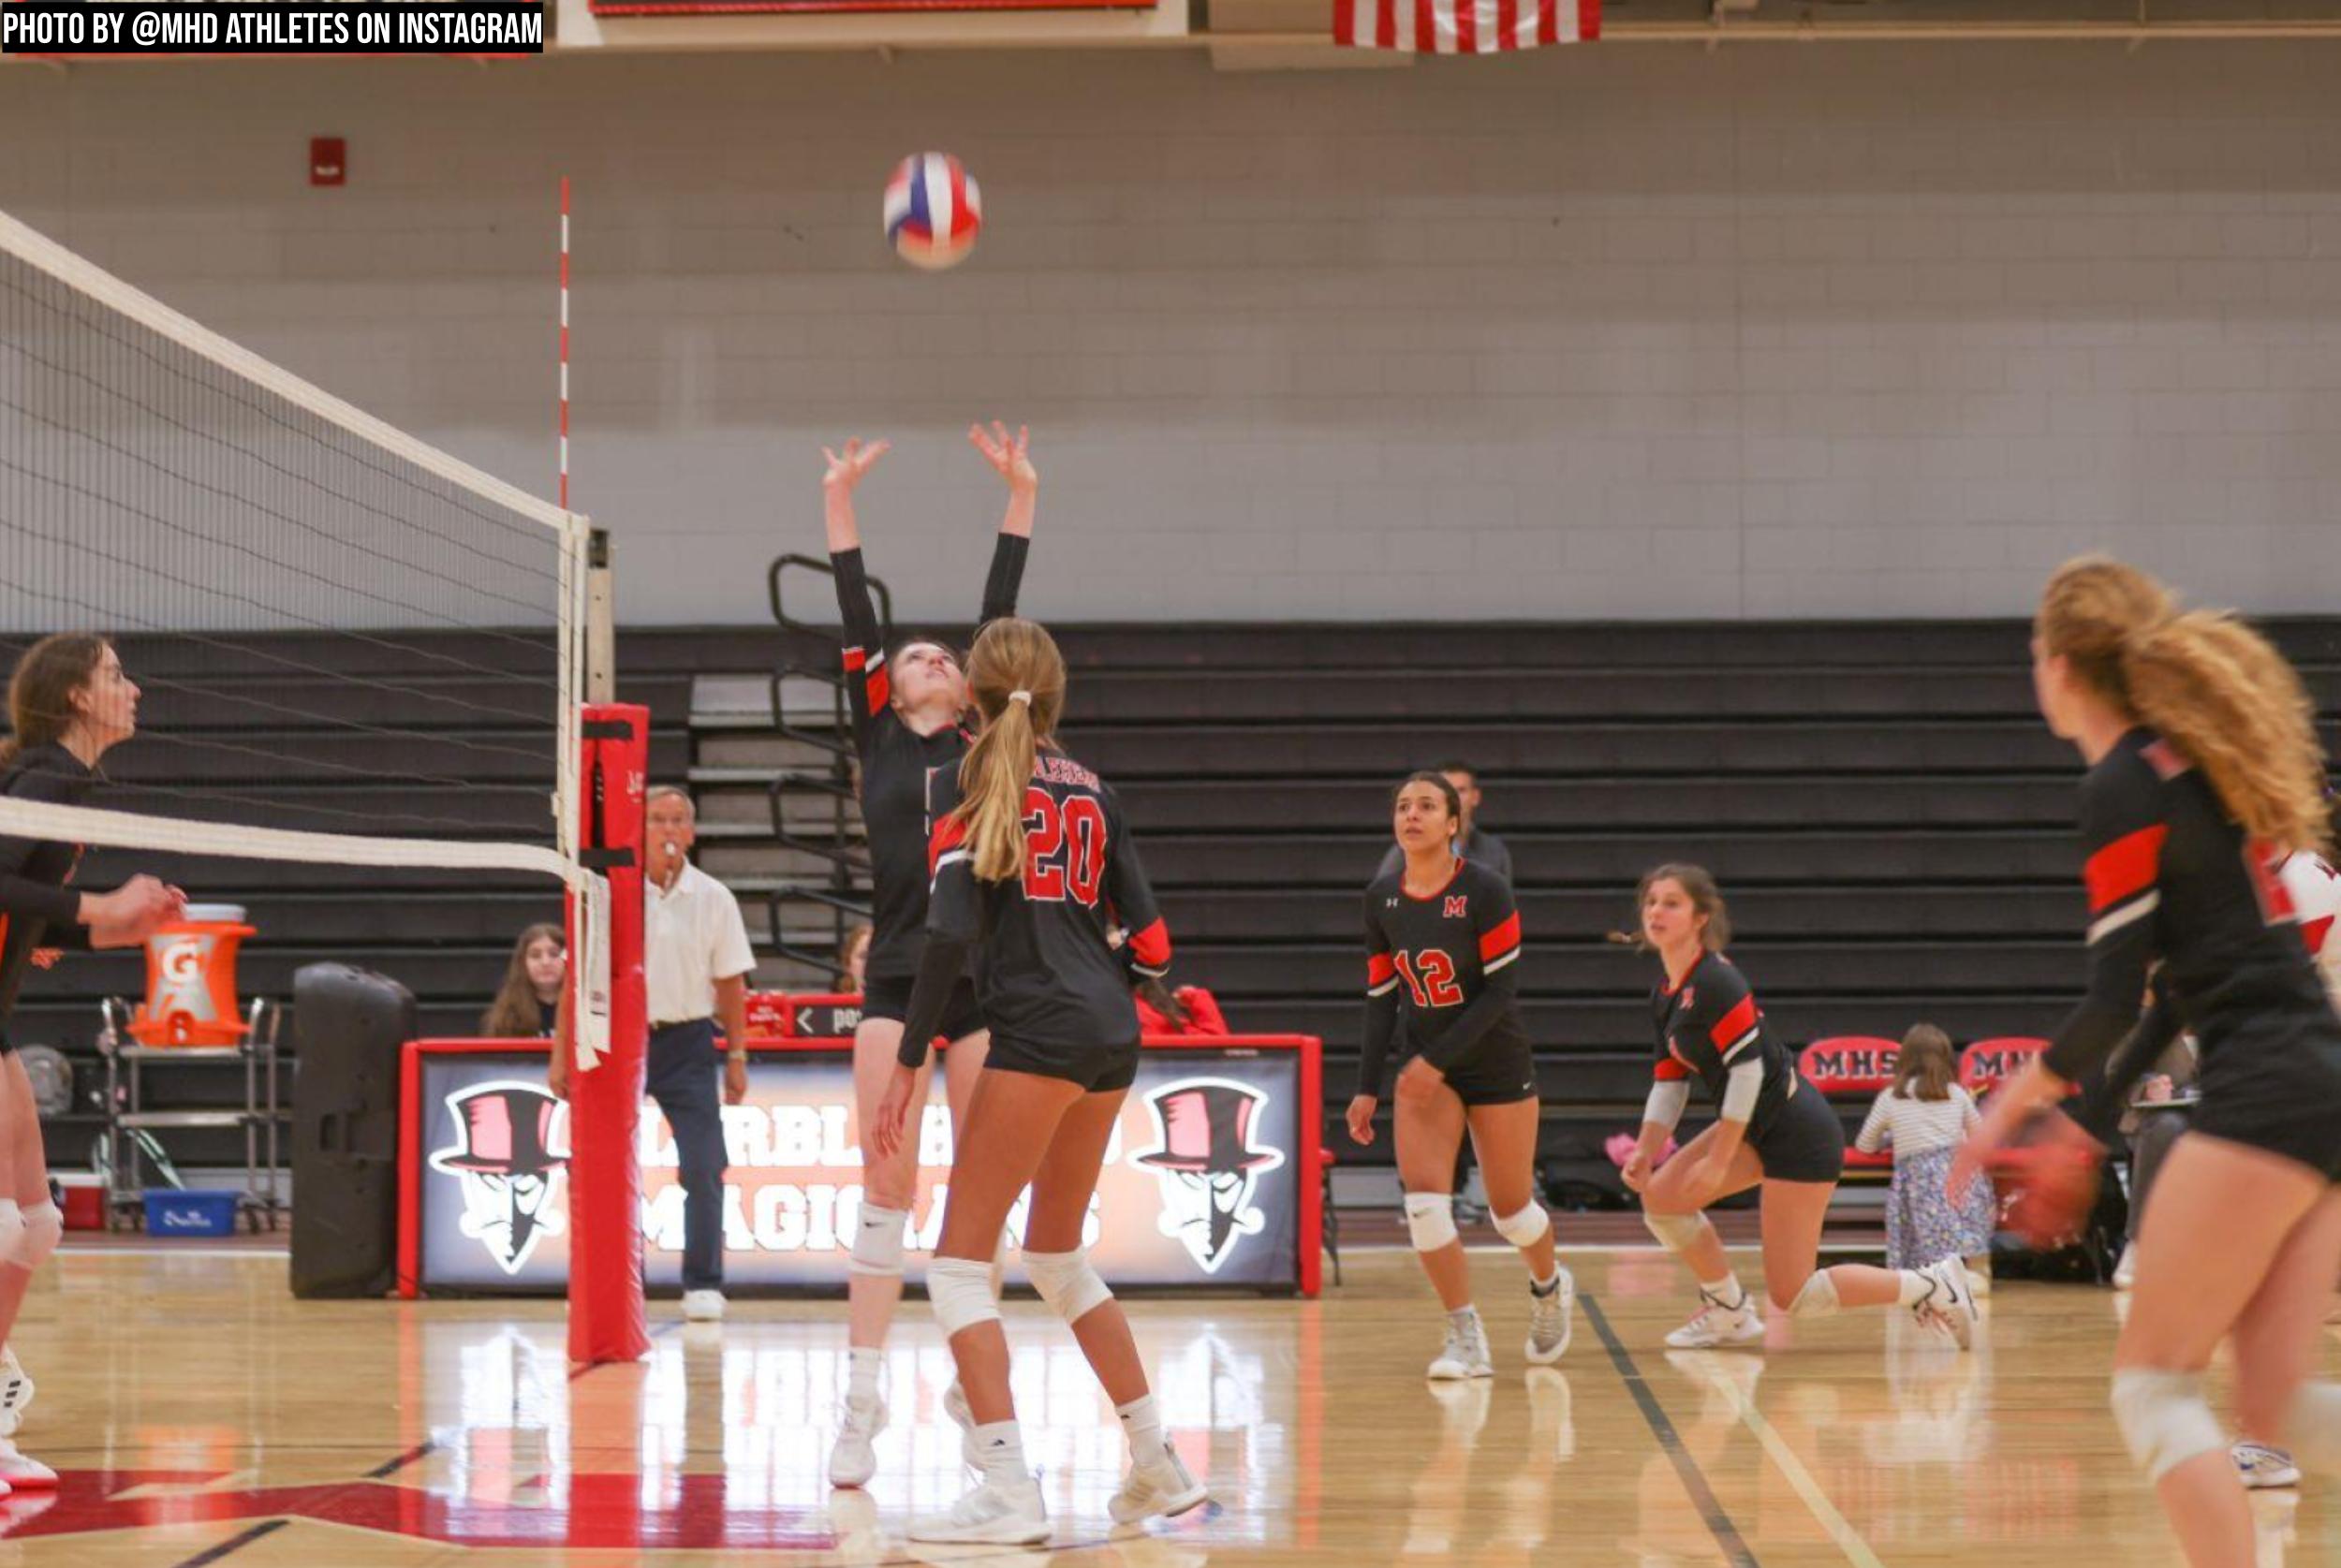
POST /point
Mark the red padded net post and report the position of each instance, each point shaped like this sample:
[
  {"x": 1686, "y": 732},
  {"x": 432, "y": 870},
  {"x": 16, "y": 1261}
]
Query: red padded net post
[{"x": 605, "y": 1186}]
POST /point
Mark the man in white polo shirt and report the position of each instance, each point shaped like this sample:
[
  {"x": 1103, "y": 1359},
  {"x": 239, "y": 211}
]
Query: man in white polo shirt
[{"x": 696, "y": 959}]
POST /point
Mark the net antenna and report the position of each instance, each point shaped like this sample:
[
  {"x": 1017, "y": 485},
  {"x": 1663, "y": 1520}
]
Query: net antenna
[{"x": 354, "y": 649}]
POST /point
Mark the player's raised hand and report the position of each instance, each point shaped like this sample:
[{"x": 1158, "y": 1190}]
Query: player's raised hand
[
  {"x": 1010, "y": 457},
  {"x": 846, "y": 468}
]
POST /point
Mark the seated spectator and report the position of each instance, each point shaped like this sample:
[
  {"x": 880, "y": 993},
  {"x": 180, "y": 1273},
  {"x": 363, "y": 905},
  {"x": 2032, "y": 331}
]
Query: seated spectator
[
  {"x": 853, "y": 961},
  {"x": 1189, "y": 1010},
  {"x": 526, "y": 1003}
]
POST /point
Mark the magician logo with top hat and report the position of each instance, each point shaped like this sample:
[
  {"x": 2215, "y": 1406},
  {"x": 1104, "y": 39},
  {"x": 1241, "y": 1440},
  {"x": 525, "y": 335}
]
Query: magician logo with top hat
[
  {"x": 509, "y": 1152},
  {"x": 1207, "y": 1165}
]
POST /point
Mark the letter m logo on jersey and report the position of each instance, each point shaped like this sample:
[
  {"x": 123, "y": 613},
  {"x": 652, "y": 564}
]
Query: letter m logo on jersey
[{"x": 1458, "y": 907}]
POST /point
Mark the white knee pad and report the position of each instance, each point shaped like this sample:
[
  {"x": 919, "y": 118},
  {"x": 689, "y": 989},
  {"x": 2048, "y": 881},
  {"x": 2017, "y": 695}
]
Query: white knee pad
[
  {"x": 1819, "y": 1298},
  {"x": 1525, "y": 1228},
  {"x": 1067, "y": 1283},
  {"x": 2164, "y": 1418},
  {"x": 1674, "y": 1232},
  {"x": 44, "y": 1227},
  {"x": 1431, "y": 1220},
  {"x": 960, "y": 1289},
  {"x": 877, "y": 1243}
]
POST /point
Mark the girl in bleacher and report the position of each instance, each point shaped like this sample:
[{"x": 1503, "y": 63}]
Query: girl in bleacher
[
  {"x": 1923, "y": 1117},
  {"x": 528, "y": 1004},
  {"x": 1773, "y": 1130},
  {"x": 71, "y": 704},
  {"x": 1442, "y": 937},
  {"x": 907, "y": 711}
]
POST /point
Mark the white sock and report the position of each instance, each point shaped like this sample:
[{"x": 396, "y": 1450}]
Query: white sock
[
  {"x": 863, "y": 1379},
  {"x": 1725, "y": 1292},
  {"x": 1142, "y": 1423},
  {"x": 1464, "y": 1318},
  {"x": 1547, "y": 1285},
  {"x": 1000, "y": 1450}
]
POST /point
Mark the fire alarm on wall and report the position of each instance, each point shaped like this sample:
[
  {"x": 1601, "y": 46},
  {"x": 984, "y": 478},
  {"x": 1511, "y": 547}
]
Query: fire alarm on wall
[{"x": 329, "y": 164}]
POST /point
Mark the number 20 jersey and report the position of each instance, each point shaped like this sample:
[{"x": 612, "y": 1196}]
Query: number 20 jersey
[{"x": 1045, "y": 977}]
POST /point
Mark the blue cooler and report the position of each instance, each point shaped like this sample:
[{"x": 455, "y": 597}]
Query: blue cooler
[{"x": 195, "y": 1213}]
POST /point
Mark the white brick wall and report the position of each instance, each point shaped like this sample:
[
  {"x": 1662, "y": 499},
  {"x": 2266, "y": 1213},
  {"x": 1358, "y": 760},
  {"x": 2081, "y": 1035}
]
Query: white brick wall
[{"x": 1621, "y": 331}]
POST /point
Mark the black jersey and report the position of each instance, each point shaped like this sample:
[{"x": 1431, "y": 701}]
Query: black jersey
[
  {"x": 1707, "y": 1025},
  {"x": 898, "y": 764},
  {"x": 1447, "y": 961},
  {"x": 1045, "y": 976},
  {"x": 37, "y": 909},
  {"x": 2172, "y": 876}
]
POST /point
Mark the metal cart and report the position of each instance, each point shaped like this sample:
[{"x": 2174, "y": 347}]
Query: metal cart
[{"x": 131, "y": 1146}]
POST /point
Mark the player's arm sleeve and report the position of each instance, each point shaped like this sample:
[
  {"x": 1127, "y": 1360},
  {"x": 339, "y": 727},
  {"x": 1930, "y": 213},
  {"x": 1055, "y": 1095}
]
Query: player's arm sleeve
[
  {"x": 1006, "y": 576},
  {"x": 870, "y": 689},
  {"x": 1381, "y": 1005},
  {"x": 1669, "y": 1097},
  {"x": 28, "y": 897},
  {"x": 2123, "y": 831},
  {"x": 954, "y": 921},
  {"x": 1133, "y": 897},
  {"x": 1497, "y": 918},
  {"x": 1876, "y": 1126}
]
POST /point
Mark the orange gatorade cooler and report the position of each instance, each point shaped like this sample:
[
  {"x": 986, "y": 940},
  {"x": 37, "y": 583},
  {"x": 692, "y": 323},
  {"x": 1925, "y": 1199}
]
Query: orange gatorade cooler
[{"x": 191, "y": 980}]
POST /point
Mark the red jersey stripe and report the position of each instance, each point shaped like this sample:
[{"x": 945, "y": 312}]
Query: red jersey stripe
[
  {"x": 948, "y": 835},
  {"x": 1503, "y": 939},
  {"x": 1152, "y": 946},
  {"x": 1736, "y": 1023},
  {"x": 1380, "y": 967},
  {"x": 2312, "y": 932},
  {"x": 1670, "y": 1071},
  {"x": 881, "y": 691},
  {"x": 2124, "y": 868},
  {"x": 855, "y": 661}
]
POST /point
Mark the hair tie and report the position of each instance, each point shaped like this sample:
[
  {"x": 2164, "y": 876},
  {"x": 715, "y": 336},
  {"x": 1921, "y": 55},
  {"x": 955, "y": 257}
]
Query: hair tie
[{"x": 1025, "y": 697}]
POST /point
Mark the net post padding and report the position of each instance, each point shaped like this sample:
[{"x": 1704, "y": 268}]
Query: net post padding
[{"x": 606, "y": 1321}]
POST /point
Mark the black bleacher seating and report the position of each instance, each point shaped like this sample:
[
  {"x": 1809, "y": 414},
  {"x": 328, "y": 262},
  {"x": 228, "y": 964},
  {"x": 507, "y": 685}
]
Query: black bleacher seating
[{"x": 1892, "y": 821}]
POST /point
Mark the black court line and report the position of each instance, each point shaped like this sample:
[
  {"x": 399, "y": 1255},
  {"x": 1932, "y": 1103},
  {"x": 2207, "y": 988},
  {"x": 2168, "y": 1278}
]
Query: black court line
[
  {"x": 420, "y": 1451},
  {"x": 235, "y": 1543},
  {"x": 1694, "y": 1482}
]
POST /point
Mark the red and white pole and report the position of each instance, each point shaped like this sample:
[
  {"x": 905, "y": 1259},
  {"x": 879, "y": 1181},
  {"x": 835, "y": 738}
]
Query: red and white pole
[{"x": 565, "y": 343}]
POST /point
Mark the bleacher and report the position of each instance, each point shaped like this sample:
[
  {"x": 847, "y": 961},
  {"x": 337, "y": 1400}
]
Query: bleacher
[{"x": 1892, "y": 822}]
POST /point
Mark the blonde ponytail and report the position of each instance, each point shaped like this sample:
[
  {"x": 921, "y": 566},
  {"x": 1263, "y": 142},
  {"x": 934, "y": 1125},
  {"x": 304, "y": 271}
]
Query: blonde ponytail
[
  {"x": 1016, "y": 678},
  {"x": 2213, "y": 687},
  {"x": 2221, "y": 695}
]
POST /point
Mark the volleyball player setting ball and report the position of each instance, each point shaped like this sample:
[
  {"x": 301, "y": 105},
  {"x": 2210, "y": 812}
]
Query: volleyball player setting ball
[
  {"x": 1773, "y": 1130},
  {"x": 2206, "y": 773},
  {"x": 1442, "y": 936},
  {"x": 71, "y": 704},
  {"x": 1030, "y": 868},
  {"x": 907, "y": 711}
]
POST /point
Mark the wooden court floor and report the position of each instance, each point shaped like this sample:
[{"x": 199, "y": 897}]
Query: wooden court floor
[{"x": 199, "y": 1415}]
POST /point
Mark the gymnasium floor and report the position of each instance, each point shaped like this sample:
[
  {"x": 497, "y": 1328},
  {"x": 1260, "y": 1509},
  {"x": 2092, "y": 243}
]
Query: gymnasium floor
[{"x": 199, "y": 1415}]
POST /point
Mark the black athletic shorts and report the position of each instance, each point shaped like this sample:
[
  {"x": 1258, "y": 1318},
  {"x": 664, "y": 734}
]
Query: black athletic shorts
[
  {"x": 1803, "y": 1141},
  {"x": 890, "y": 999},
  {"x": 2276, "y": 1089},
  {"x": 1501, "y": 1075},
  {"x": 1097, "y": 1069}
]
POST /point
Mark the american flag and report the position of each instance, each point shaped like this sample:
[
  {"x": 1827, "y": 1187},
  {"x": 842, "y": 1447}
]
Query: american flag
[{"x": 1463, "y": 26}]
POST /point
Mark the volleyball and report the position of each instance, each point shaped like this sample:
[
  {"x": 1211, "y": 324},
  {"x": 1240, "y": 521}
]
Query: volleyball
[
  {"x": 933, "y": 210},
  {"x": 2048, "y": 1180}
]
